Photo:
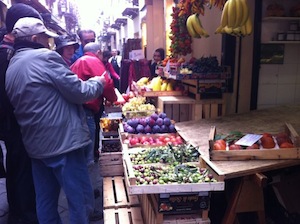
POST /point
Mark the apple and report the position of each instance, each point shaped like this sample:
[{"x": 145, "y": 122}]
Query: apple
[{"x": 134, "y": 141}]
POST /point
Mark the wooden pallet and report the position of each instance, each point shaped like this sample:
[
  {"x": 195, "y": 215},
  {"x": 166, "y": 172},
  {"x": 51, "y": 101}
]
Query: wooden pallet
[
  {"x": 115, "y": 194},
  {"x": 123, "y": 215}
]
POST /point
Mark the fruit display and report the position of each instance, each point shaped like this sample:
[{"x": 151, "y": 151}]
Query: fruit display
[
  {"x": 111, "y": 146},
  {"x": 183, "y": 173},
  {"x": 194, "y": 27},
  {"x": 137, "y": 140},
  {"x": 180, "y": 39},
  {"x": 137, "y": 107},
  {"x": 235, "y": 19},
  {"x": 155, "y": 123},
  {"x": 156, "y": 84},
  {"x": 267, "y": 141},
  {"x": 166, "y": 154},
  {"x": 206, "y": 65},
  {"x": 109, "y": 125}
]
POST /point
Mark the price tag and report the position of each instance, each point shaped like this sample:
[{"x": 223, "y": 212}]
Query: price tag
[{"x": 248, "y": 139}]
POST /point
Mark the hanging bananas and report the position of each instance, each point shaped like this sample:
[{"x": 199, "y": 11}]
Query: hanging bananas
[
  {"x": 235, "y": 19},
  {"x": 194, "y": 26}
]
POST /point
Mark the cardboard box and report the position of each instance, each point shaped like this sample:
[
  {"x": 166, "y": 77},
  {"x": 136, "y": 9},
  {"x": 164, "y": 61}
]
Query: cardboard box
[
  {"x": 136, "y": 54},
  {"x": 177, "y": 203}
]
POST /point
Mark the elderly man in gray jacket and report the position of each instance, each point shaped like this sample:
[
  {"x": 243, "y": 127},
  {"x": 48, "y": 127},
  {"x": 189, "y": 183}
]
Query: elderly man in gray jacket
[{"x": 47, "y": 99}]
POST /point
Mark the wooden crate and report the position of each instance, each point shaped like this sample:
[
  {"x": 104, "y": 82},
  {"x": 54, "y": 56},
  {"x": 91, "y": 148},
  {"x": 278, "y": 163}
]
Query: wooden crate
[
  {"x": 115, "y": 194},
  {"x": 111, "y": 164},
  {"x": 130, "y": 181},
  {"x": 177, "y": 108},
  {"x": 212, "y": 108},
  {"x": 123, "y": 215},
  {"x": 257, "y": 154},
  {"x": 149, "y": 206}
]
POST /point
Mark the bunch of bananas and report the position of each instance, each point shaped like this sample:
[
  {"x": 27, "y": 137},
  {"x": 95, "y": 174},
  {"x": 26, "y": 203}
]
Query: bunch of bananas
[
  {"x": 235, "y": 19},
  {"x": 194, "y": 26}
]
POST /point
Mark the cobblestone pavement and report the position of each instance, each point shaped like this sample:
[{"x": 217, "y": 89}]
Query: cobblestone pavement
[{"x": 63, "y": 206}]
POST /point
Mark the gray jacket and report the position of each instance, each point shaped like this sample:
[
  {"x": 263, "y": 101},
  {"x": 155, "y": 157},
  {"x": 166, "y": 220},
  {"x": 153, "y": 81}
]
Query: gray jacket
[{"x": 47, "y": 98}]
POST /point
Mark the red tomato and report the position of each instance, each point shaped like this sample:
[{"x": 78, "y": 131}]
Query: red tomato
[
  {"x": 234, "y": 147},
  {"x": 161, "y": 138},
  {"x": 220, "y": 144},
  {"x": 167, "y": 139}
]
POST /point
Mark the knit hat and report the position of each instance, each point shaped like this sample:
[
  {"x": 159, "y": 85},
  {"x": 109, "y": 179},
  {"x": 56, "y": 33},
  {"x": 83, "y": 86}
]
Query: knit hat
[
  {"x": 65, "y": 40},
  {"x": 17, "y": 11},
  {"x": 29, "y": 26}
]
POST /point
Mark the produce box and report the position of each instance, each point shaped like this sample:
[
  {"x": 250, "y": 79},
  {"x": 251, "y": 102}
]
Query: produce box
[
  {"x": 284, "y": 145},
  {"x": 110, "y": 158},
  {"x": 177, "y": 203},
  {"x": 159, "y": 178},
  {"x": 109, "y": 126},
  {"x": 111, "y": 145},
  {"x": 151, "y": 214}
]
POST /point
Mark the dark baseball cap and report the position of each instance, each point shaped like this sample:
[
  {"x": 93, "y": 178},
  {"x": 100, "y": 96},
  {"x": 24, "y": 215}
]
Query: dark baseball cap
[
  {"x": 65, "y": 40},
  {"x": 17, "y": 11}
]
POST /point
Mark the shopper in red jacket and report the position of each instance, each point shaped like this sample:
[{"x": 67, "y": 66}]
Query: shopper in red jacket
[{"x": 88, "y": 66}]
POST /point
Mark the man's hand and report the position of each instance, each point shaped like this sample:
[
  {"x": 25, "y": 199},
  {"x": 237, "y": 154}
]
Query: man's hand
[{"x": 100, "y": 79}]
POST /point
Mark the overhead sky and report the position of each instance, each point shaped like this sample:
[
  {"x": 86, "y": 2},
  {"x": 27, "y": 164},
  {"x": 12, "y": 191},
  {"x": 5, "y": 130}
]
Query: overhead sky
[{"x": 89, "y": 11}]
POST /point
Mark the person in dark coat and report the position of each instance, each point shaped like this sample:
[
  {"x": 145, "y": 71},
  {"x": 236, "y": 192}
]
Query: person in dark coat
[
  {"x": 19, "y": 181},
  {"x": 158, "y": 56}
]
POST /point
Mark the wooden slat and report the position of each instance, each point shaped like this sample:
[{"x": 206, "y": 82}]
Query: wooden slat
[
  {"x": 123, "y": 216},
  {"x": 121, "y": 197},
  {"x": 136, "y": 215},
  {"x": 258, "y": 154},
  {"x": 113, "y": 170},
  {"x": 108, "y": 192},
  {"x": 109, "y": 216},
  {"x": 116, "y": 195}
]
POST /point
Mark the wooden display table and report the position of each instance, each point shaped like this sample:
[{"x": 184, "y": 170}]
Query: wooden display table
[
  {"x": 268, "y": 120},
  {"x": 184, "y": 108}
]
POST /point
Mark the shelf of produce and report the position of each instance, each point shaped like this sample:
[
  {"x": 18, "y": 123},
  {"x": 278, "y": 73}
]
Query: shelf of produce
[
  {"x": 276, "y": 153},
  {"x": 130, "y": 180},
  {"x": 279, "y": 18},
  {"x": 284, "y": 42}
]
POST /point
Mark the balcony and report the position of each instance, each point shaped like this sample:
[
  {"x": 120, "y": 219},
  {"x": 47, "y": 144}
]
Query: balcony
[
  {"x": 131, "y": 12},
  {"x": 121, "y": 21}
]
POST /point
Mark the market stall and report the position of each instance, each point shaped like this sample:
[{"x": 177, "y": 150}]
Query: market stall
[
  {"x": 146, "y": 197},
  {"x": 248, "y": 195}
]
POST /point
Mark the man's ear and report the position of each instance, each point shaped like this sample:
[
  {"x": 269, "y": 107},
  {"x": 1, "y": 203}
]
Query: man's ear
[{"x": 34, "y": 38}]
